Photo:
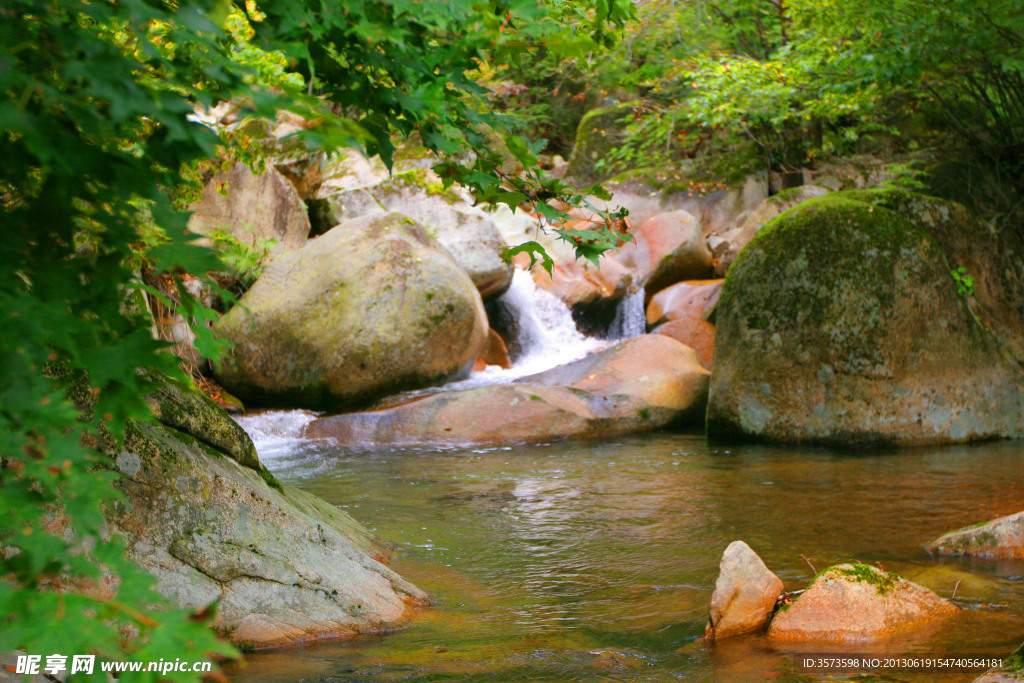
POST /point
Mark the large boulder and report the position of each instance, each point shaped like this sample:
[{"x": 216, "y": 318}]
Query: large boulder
[
  {"x": 1003, "y": 537},
  {"x": 852, "y": 603},
  {"x": 202, "y": 515},
  {"x": 447, "y": 214},
  {"x": 745, "y": 594},
  {"x": 638, "y": 385},
  {"x": 667, "y": 249},
  {"x": 840, "y": 323},
  {"x": 991, "y": 255},
  {"x": 369, "y": 308},
  {"x": 254, "y": 209}
]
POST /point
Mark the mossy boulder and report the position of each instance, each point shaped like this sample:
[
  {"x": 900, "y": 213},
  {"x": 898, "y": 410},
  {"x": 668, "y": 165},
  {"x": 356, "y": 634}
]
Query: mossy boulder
[
  {"x": 600, "y": 131},
  {"x": 990, "y": 253},
  {"x": 285, "y": 566},
  {"x": 1003, "y": 537},
  {"x": 371, "y": 307},
  {"x": 841, "y": 324},
  {"x": 194, "y": 414},
  {"x": 853, "y": 603}
]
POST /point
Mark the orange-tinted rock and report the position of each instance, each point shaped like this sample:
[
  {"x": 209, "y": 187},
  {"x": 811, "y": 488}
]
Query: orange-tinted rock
[
  {"x": 745, "y": 594},
  {"x": 637, "y": 385},
  {"x": 855, "y": 603},
  {"x": 692, "y": 299},
  {"x": 696, "y": 333},
  {"x": 592, "y": 292},
  {"x": 666, "y": 249},
  {"x": 495, "y": 352}
]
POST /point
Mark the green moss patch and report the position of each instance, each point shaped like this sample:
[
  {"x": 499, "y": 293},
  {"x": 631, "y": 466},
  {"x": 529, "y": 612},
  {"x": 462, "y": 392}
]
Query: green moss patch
[{"x": 865, "y": 573}]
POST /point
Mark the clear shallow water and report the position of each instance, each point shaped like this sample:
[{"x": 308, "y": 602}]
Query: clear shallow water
[{"x": 577, "y": 561}]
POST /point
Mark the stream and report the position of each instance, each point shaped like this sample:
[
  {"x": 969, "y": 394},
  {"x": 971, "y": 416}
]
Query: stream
[{"x": 595, "y": 561}]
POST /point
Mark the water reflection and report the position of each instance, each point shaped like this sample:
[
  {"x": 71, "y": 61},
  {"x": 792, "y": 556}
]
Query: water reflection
[{"x": 583, "y": 561}]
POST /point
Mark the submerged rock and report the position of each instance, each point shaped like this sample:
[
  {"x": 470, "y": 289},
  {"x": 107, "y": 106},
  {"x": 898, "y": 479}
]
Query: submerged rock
[
  {"x": 285, "y": 566},
  {"x": 1012, "y": 670},
  {"x": 745, "y": 594},
  {"x": 1003, "y": 537},
  {"x": 840, "y": 323},
  {"x": 371, "y": 307},
  {"x": 856, "y": 602},
  {"x": 638, "y": 385}
]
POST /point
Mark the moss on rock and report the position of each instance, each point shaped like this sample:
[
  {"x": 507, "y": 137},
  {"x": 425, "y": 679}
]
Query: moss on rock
[
  {"x": 846, "y": 312},
  {"x": 598, "y": 133}
]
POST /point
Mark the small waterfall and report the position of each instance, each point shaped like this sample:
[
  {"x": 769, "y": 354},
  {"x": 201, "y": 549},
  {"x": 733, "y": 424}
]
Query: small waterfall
[
  {"x": 277, "y": 433},
  {"x": 630, "y": 318},
  {"x": 545, "y": 334}
]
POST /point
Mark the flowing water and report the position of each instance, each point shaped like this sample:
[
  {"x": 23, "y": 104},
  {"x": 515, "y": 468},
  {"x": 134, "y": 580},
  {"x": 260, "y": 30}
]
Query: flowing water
[
  {"x": 575, "y": 561},
  {"x": 595, "y": 561}
]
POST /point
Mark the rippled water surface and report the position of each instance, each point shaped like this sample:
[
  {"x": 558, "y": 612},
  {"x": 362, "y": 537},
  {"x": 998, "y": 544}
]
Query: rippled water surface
[{"x": 595, "y": 561}]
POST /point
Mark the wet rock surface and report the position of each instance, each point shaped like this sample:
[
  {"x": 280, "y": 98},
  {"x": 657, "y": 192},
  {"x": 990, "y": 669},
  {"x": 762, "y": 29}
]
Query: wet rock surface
[
  {"x": 745, "y": 594},
  {"x": 637, "y": 385},
  {"x": 851, "y": 603},
  {"x": 1003, "y": 537}
]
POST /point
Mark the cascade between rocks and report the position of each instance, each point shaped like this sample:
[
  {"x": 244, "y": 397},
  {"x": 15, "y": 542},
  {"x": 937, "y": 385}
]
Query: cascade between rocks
[{"x": 544, "y": 336}]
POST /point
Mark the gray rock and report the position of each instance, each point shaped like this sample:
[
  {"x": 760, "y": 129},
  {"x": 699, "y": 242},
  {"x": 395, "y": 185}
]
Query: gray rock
[
  {"x": 449, "y": 216},
  {"x": 745, "y": 594},
  {"x": 372, "y": 307},
  {"x": 266, "y": 206},
  {"x": 1003, "y": 537},
  {"x": 285, "y": 566}
]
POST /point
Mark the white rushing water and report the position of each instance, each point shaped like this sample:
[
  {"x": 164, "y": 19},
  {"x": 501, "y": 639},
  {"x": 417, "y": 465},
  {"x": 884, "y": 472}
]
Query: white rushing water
[
  {"x": 277, "y": 433},
  {"x": 630, "y": 318},
  {"x": 545, "y": 333}
]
